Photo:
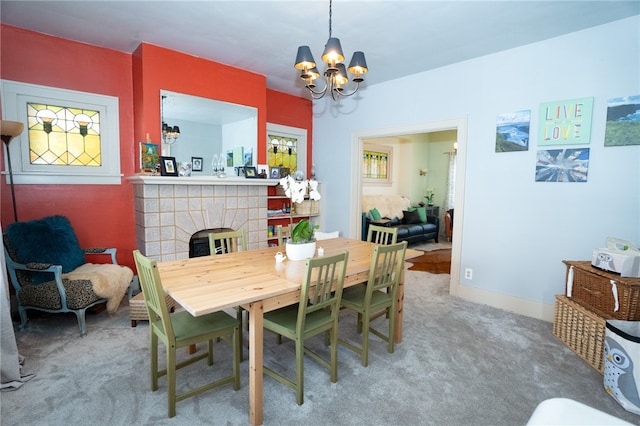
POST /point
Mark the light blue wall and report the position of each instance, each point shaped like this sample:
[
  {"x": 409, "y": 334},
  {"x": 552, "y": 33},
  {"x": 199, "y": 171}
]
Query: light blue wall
[{"x": 516, "y": 231}]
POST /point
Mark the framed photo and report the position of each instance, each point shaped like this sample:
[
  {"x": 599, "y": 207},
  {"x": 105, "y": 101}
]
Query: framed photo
[
  {"x": 284, "y": 172},
  {"x": 149, "y": 155},
  {"x": 274, "y": 172},
  {"x": 250, "y": 172},
  {"x": 168, "y": 166},
  {"x": 196, "y": 164}
]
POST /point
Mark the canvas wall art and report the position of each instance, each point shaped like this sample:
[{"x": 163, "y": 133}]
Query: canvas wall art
[
  {"x": 562, "y": 165},
  {"x": 565, "y": 122},
  {"x": 512, "y": 131},
  {"x": 623, "y": 121}
]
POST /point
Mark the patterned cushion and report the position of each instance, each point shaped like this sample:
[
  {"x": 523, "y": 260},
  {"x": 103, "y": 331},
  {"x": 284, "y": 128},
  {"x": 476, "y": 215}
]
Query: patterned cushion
[{"x": 79, "y": 294}]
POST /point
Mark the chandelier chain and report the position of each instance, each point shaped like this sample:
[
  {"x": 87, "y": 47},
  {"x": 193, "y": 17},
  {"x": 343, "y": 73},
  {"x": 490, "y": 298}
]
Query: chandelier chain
[{"x": 330, "y": 12}]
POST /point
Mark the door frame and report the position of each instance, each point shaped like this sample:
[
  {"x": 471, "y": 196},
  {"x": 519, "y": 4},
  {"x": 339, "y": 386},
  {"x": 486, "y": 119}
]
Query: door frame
[{"x": 458, "y": 124}]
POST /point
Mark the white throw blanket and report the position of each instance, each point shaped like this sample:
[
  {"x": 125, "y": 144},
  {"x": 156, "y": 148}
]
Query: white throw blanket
[{"x": 109, "y": 281}]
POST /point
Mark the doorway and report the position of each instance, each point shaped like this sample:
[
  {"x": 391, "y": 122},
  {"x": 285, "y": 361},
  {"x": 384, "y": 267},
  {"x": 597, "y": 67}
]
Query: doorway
[{"x": 457, "y": 124}]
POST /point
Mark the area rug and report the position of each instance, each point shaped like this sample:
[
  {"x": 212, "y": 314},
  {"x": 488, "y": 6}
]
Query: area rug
[{"x": 434, "y": 261}]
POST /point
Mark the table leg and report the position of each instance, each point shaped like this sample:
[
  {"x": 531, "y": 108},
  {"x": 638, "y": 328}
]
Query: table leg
[
  {"x": 400, "y": 307},
  {"x": 256, "y": 356}
]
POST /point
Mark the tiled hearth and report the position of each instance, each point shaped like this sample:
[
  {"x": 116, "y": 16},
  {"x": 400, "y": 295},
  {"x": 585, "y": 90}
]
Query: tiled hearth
[{"x": 169, "y": 210}]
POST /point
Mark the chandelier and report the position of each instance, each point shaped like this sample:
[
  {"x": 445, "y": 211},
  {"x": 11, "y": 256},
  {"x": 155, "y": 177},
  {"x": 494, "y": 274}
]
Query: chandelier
[
  {"x": 170, "y": 134},
  {"x": 335, "y": 75}
]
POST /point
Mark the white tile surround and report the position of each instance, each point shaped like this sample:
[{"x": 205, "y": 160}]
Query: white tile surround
[{"x": 169, "y": 210}]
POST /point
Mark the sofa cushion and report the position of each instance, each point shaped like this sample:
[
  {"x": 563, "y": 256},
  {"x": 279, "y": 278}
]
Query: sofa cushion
[
  {"x": 47, "y": 240},
  {"x": 410, "y": 217},
  {"x": 422, "y": 211},
  {"x": 375, "y": 214}
]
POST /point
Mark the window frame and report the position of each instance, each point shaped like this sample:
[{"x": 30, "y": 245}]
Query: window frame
[
  {"x": 16, "y": 95},
  {"x": 376, "y": 181},
  {"x": 290, "y": 132}
]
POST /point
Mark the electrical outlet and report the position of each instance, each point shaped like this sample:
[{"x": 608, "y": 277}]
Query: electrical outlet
[{"x": 468, "y": 273}]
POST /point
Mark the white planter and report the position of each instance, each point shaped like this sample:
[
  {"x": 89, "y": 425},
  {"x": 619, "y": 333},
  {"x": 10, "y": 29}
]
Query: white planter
[{"x": 300, "y": 251}]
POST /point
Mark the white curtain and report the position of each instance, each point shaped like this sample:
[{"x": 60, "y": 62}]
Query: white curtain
[
  {"x": 10, "y": 359},
  {"x": 451, "y": 182}
]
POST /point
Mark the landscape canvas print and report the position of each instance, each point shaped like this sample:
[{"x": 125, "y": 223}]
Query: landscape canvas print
[
  {"x": 512, "y": 131},
  {"x": 562, "y": 165},
  {"x": 623, "y": 121}
]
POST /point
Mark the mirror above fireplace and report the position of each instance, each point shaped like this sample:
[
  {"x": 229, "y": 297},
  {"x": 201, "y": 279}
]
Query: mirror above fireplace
[{"x": 209, "y": 128}]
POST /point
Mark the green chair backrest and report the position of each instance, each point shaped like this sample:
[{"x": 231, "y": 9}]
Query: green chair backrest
[
  {"x": 227, "y": 242},
  {"x": 284, "y": 232},
  {"x": 387, "y": 263},
  {"x": 382, "y": 234},
  {"x": 154, "y": 297},
  {"x": 322, "y": 286}
]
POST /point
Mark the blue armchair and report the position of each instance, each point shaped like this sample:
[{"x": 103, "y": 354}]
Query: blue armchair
[{"x": 49, "y": 273}]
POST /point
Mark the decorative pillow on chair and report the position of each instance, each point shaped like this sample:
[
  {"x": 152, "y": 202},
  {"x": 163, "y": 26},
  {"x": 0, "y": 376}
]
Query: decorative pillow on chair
[
  {"x": 410, "y": 217},
  {"x": 47, "y": 240},
  {"x": 375, "y": 214}
]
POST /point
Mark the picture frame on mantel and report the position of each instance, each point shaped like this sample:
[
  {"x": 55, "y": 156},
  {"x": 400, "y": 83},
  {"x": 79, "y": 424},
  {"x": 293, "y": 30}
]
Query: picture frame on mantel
[
  {"x": 168, "y": 166},
  {"x": 250, "y": 172},
  {"x": 196, "y": 163}
]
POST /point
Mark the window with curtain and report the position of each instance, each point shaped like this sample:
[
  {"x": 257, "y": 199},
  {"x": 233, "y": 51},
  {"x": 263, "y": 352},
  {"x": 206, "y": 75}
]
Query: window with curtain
[{"x": 451, "y": 182}]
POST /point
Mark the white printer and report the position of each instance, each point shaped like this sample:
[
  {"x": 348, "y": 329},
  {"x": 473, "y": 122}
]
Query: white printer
[{"x": 620, "y": 257}]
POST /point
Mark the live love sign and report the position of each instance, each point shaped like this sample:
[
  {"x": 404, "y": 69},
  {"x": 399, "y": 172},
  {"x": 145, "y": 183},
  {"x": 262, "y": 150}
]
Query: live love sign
[{"x": 565, "y": 122}]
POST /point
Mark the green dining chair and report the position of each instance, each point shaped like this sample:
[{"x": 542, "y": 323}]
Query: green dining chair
[
  {"x": 382, "y": 235},
  {"x": 317, "y": 313},
  {"x": 227, "y": 242},
  {"x": 284, "y": 232},
  {"x": 179, "y": 330},
  {"x": 230, "y": 242},
  {"x": 377, "y": 297}
]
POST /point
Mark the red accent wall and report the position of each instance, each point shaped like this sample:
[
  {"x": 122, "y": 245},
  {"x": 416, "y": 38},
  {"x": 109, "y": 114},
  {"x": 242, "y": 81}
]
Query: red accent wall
[
  {"x": 102, "y": 215},
  {"x": 289, "y": 110}
]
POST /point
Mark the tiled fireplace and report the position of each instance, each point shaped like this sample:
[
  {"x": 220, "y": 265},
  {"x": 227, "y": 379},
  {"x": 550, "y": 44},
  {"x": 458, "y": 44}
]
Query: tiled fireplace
[{"x": 169, "y": 210}]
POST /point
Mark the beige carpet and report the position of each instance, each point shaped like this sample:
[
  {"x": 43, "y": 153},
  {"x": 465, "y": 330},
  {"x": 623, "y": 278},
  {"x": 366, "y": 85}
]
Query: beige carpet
[{"x": 459, "y": 363}]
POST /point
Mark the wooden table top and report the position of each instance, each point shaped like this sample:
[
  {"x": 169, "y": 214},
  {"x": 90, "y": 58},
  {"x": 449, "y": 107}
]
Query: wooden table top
[{"x": 208, "y": 284}]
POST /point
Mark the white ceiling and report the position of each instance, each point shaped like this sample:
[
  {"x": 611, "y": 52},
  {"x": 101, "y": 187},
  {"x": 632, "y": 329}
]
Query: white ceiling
[{"x": 399, "y": 38}]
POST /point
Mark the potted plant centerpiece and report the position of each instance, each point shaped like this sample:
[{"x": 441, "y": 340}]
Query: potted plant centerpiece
[{"x": 302, "y": 244}]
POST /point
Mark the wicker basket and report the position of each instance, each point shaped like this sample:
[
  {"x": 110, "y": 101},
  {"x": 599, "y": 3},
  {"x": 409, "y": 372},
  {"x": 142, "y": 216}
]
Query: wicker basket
[
  {"x": 310, "y": 207},
  {"x": 581, "y": 330},
  {"x": 592, "y": 288},
  {"x": 138, "y": 309}
]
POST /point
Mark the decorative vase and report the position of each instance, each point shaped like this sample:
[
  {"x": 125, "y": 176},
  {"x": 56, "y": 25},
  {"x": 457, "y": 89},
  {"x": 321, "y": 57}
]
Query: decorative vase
[{"x": 300, "y": 251}]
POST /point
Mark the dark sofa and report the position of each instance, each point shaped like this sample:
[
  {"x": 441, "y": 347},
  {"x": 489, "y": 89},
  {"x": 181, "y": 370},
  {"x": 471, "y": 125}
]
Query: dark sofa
[{"x": 409, "y": 232}]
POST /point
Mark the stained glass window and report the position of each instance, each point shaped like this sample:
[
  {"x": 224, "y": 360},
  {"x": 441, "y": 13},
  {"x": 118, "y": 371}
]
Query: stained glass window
[
  {"x": 63, "y": 136},
  {"x": 374, "y": 164},
  {"x": 282, "y": 152}
]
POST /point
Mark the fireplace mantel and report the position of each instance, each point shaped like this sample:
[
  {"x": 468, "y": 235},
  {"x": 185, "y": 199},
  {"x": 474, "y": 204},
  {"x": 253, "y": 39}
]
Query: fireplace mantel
[
  {"x": 199, "y": 180},
  {"x": 169, "y": 210}
]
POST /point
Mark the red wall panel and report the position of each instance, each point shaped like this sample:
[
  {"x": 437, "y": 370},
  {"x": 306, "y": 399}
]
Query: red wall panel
[{"x": 103, "y": 215}]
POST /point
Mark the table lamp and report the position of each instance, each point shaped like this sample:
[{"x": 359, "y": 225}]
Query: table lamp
[{"x": 8, "y": 131}]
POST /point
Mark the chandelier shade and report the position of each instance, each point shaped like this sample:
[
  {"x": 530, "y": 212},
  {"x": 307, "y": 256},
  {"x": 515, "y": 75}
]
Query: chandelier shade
[{"x": 335, "y": 75}]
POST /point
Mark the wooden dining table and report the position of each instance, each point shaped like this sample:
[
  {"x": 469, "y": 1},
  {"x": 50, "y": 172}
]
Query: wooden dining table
[{"x": 254, "y": 280}]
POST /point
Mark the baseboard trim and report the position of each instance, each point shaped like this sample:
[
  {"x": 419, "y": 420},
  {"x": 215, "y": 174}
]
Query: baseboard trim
[{"x": 505, "y": 302}]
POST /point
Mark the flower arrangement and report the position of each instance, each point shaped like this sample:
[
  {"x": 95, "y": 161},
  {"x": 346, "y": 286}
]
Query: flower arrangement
[
  {"x": 297, "y": 190},
  {"x": 429, "y": 196}
]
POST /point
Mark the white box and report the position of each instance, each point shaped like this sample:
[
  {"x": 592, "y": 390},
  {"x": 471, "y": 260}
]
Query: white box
[{"x": 620, "y": 257}]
